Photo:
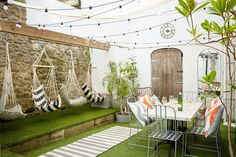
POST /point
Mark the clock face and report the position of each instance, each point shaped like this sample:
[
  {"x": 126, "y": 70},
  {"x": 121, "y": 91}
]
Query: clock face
[{"x": 167, "y": 30}]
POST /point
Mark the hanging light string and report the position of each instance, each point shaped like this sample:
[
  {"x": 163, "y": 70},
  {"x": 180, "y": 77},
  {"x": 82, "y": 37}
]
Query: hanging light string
[
  {"x": 152, "y": 47},
  {"x": 136, "y": 31},
  {"x": 145, "y": 43},
  {"x": 158, "y": 44},
  {"x": 119, "y": 21},
  {"x": 88, "y": 17},
  {"x": 169, "y": 12},
  {"x": 81, "y": 8}
]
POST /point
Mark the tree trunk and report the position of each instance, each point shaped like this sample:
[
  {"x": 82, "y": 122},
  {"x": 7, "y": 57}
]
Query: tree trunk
[{"x": 230, "y": 106}]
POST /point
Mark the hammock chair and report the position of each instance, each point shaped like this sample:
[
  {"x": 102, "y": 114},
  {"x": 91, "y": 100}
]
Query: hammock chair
[
  {"x": 91, "y": 95},
  {"x": 45, "y": 98},
  {"x": 9, "y": 107},
  {"x": 71, "y": 92}
]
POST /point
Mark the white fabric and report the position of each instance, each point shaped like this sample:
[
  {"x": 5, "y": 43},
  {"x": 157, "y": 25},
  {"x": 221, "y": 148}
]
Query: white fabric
[{"x": 138, "y": 111}]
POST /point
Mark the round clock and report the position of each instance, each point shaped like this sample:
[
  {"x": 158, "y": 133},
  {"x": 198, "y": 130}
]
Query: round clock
[{"x": 167, "y": 30}]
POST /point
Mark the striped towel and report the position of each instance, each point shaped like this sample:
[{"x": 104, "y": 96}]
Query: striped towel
[{"x": 210, "y": 114}]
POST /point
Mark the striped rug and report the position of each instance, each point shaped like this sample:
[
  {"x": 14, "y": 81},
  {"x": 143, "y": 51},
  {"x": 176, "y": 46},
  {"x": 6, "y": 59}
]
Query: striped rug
[{"x": 93, "y": 145}]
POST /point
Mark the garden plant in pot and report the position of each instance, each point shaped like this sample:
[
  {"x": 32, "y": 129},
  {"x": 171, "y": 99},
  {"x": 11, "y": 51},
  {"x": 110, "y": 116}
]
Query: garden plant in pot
[{"x": 122, "y": 78}]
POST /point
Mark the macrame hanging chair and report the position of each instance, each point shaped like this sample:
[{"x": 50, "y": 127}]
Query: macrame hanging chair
[
  {"x": 71, "y": 91},
  {"x": 90, "y": 92},
  {"x": 9, "y": 107},
  {"x": 46, "y": 98}
]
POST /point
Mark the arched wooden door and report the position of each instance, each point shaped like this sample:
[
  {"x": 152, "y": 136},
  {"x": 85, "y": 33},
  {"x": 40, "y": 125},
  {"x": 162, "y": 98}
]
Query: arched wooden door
[{"x": 166, "y": 74}]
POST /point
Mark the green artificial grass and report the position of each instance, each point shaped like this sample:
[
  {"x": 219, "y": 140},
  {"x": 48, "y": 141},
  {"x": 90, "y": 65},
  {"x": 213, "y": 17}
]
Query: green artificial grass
[
  {"x": 14, "y": 132},
  {"x": 122, "y": 149}
]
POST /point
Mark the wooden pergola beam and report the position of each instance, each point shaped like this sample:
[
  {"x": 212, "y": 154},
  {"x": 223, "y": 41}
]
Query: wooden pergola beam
[{"x": 25, "y": 30}]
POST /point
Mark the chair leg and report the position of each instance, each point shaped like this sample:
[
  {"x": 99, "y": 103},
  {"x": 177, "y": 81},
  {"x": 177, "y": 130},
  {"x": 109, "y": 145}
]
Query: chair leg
[
  {"x": 175, "y": 148},
  {"x": 130, "y": 130},
  {"x": 218, "y": 144},
  {"x": 183, "y": 144},
  {"x": 148, "y": 147}
]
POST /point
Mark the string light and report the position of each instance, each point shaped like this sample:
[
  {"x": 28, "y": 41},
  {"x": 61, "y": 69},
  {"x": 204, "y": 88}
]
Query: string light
[
  {"x": 138, "y": 31},
  {"x": 5, "y": 7},
  {"x": 18, "y": 25},
  {"x": 82, "y": 8},
  {"x": 113, "y": 21},
  {"x": 89, "y": 7},
  {"x": 103, "y": 12}
]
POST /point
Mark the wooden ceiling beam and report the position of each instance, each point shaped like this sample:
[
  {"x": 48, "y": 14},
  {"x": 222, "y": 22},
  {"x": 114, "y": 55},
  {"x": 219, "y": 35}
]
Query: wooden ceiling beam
[{"x": 25, "y": 30}]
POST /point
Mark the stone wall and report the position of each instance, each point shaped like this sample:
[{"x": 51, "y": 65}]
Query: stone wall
[
  {"x": 13, "y": 14},
  {"x": 23, "y": 52}
]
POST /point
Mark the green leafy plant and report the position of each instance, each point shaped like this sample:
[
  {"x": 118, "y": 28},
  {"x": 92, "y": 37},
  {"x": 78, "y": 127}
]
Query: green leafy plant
[
  {"x": 122, "y": 78},
  {"x": 211, "y": 90},
  {"x": 226, "y": 32}
]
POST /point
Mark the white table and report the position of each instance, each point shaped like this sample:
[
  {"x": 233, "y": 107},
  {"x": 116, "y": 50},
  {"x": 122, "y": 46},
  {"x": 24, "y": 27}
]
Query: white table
[{"x": 188, "y": 113}]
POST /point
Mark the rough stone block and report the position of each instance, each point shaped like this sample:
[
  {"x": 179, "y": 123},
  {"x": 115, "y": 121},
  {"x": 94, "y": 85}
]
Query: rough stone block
[
  {"x": 100, "y": 121},
  {"x": 37, "y": 142},
  {"x": 79, "y": 128}
]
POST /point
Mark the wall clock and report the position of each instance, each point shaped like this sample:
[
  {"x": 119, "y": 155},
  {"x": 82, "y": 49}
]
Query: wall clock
[{"x": 167, "y": 30}]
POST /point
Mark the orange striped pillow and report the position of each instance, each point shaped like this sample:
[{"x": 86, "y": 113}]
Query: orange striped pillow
[{"x": 147, "y": 101}]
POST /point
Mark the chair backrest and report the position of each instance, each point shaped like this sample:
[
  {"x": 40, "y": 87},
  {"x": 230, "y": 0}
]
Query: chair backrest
[
  {"x": 162, "y": 112},
  {"x": 143, "y": 91},
  {"x": 137, "y": 110}
]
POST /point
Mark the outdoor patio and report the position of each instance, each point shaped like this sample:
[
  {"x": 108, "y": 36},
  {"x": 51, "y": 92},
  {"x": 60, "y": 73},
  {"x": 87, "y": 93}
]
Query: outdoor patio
[{"x": 118, "y": 78}]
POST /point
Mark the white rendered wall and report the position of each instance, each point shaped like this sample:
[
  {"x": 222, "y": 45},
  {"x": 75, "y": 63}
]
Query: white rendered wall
[{"x": 101, "y": 58}]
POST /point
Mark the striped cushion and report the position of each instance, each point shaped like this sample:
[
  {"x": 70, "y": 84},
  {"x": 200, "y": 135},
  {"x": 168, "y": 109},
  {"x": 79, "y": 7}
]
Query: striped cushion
[
  {"x": 39, "y": 97},
  {"x": 90, "y": 96},
  {"x": 52, "y": 105}
]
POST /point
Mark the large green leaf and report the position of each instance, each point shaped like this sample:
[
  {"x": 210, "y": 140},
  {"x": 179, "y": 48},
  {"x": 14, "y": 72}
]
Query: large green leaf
[
  {"x": 209, "y": 78},
  {"x": 183, "y": 4},
  {"x": 206, "y": 25},
  {"x": 201, "y": 6},
  {"x": 231, "y": 4},
  {"x": 216, "y": 5},
  {"x": 216, "y": 28},
  {"x": 184, "y": 13},
  {"x": 191, "y": 4},
  {"x": 222, "y": 6},
  {"x": 212, "y": 76},
  {"x": 214, "y": 11}
]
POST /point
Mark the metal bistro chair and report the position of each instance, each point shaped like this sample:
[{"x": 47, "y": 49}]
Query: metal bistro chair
[
  {"x": 143, "y": 91},
  {"x": 163, "y": 133},
  {"x": 198, "y": 132},
  {"x": 143, "y": 125}
]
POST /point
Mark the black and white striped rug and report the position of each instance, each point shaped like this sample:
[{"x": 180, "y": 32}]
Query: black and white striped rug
[{"x": 93, "y": 145}]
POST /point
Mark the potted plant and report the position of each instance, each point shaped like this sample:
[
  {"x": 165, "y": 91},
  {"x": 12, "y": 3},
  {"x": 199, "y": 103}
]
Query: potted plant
[
  {"x": 224, "y": 33},
  {"x": 122, "y": 78}
]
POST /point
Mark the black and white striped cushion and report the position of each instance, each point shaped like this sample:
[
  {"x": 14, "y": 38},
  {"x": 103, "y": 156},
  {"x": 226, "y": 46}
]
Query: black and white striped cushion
[
  {"x": 42, "y": 103},
  {"x": 90, "y": 96},
  {"x": 52, "y": 105},
  {"x": 39, "y": 97}
]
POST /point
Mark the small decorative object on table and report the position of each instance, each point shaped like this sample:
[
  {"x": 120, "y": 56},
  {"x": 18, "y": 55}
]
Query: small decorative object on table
[{"x": 180, "y": 102}]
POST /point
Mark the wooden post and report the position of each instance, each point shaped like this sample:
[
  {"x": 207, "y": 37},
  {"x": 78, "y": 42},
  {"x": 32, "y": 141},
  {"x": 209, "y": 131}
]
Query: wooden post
[{"x": 25, "y": 30}]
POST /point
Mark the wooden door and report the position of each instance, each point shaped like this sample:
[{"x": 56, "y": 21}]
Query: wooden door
[{"x": 166, "y": 72}]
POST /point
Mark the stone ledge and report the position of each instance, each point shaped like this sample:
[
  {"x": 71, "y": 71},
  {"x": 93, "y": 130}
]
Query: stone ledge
[{"x": 60, "y": 135}]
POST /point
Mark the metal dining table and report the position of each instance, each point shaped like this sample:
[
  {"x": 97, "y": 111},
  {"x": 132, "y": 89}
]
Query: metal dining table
[{"x": 190, "y": 111}]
